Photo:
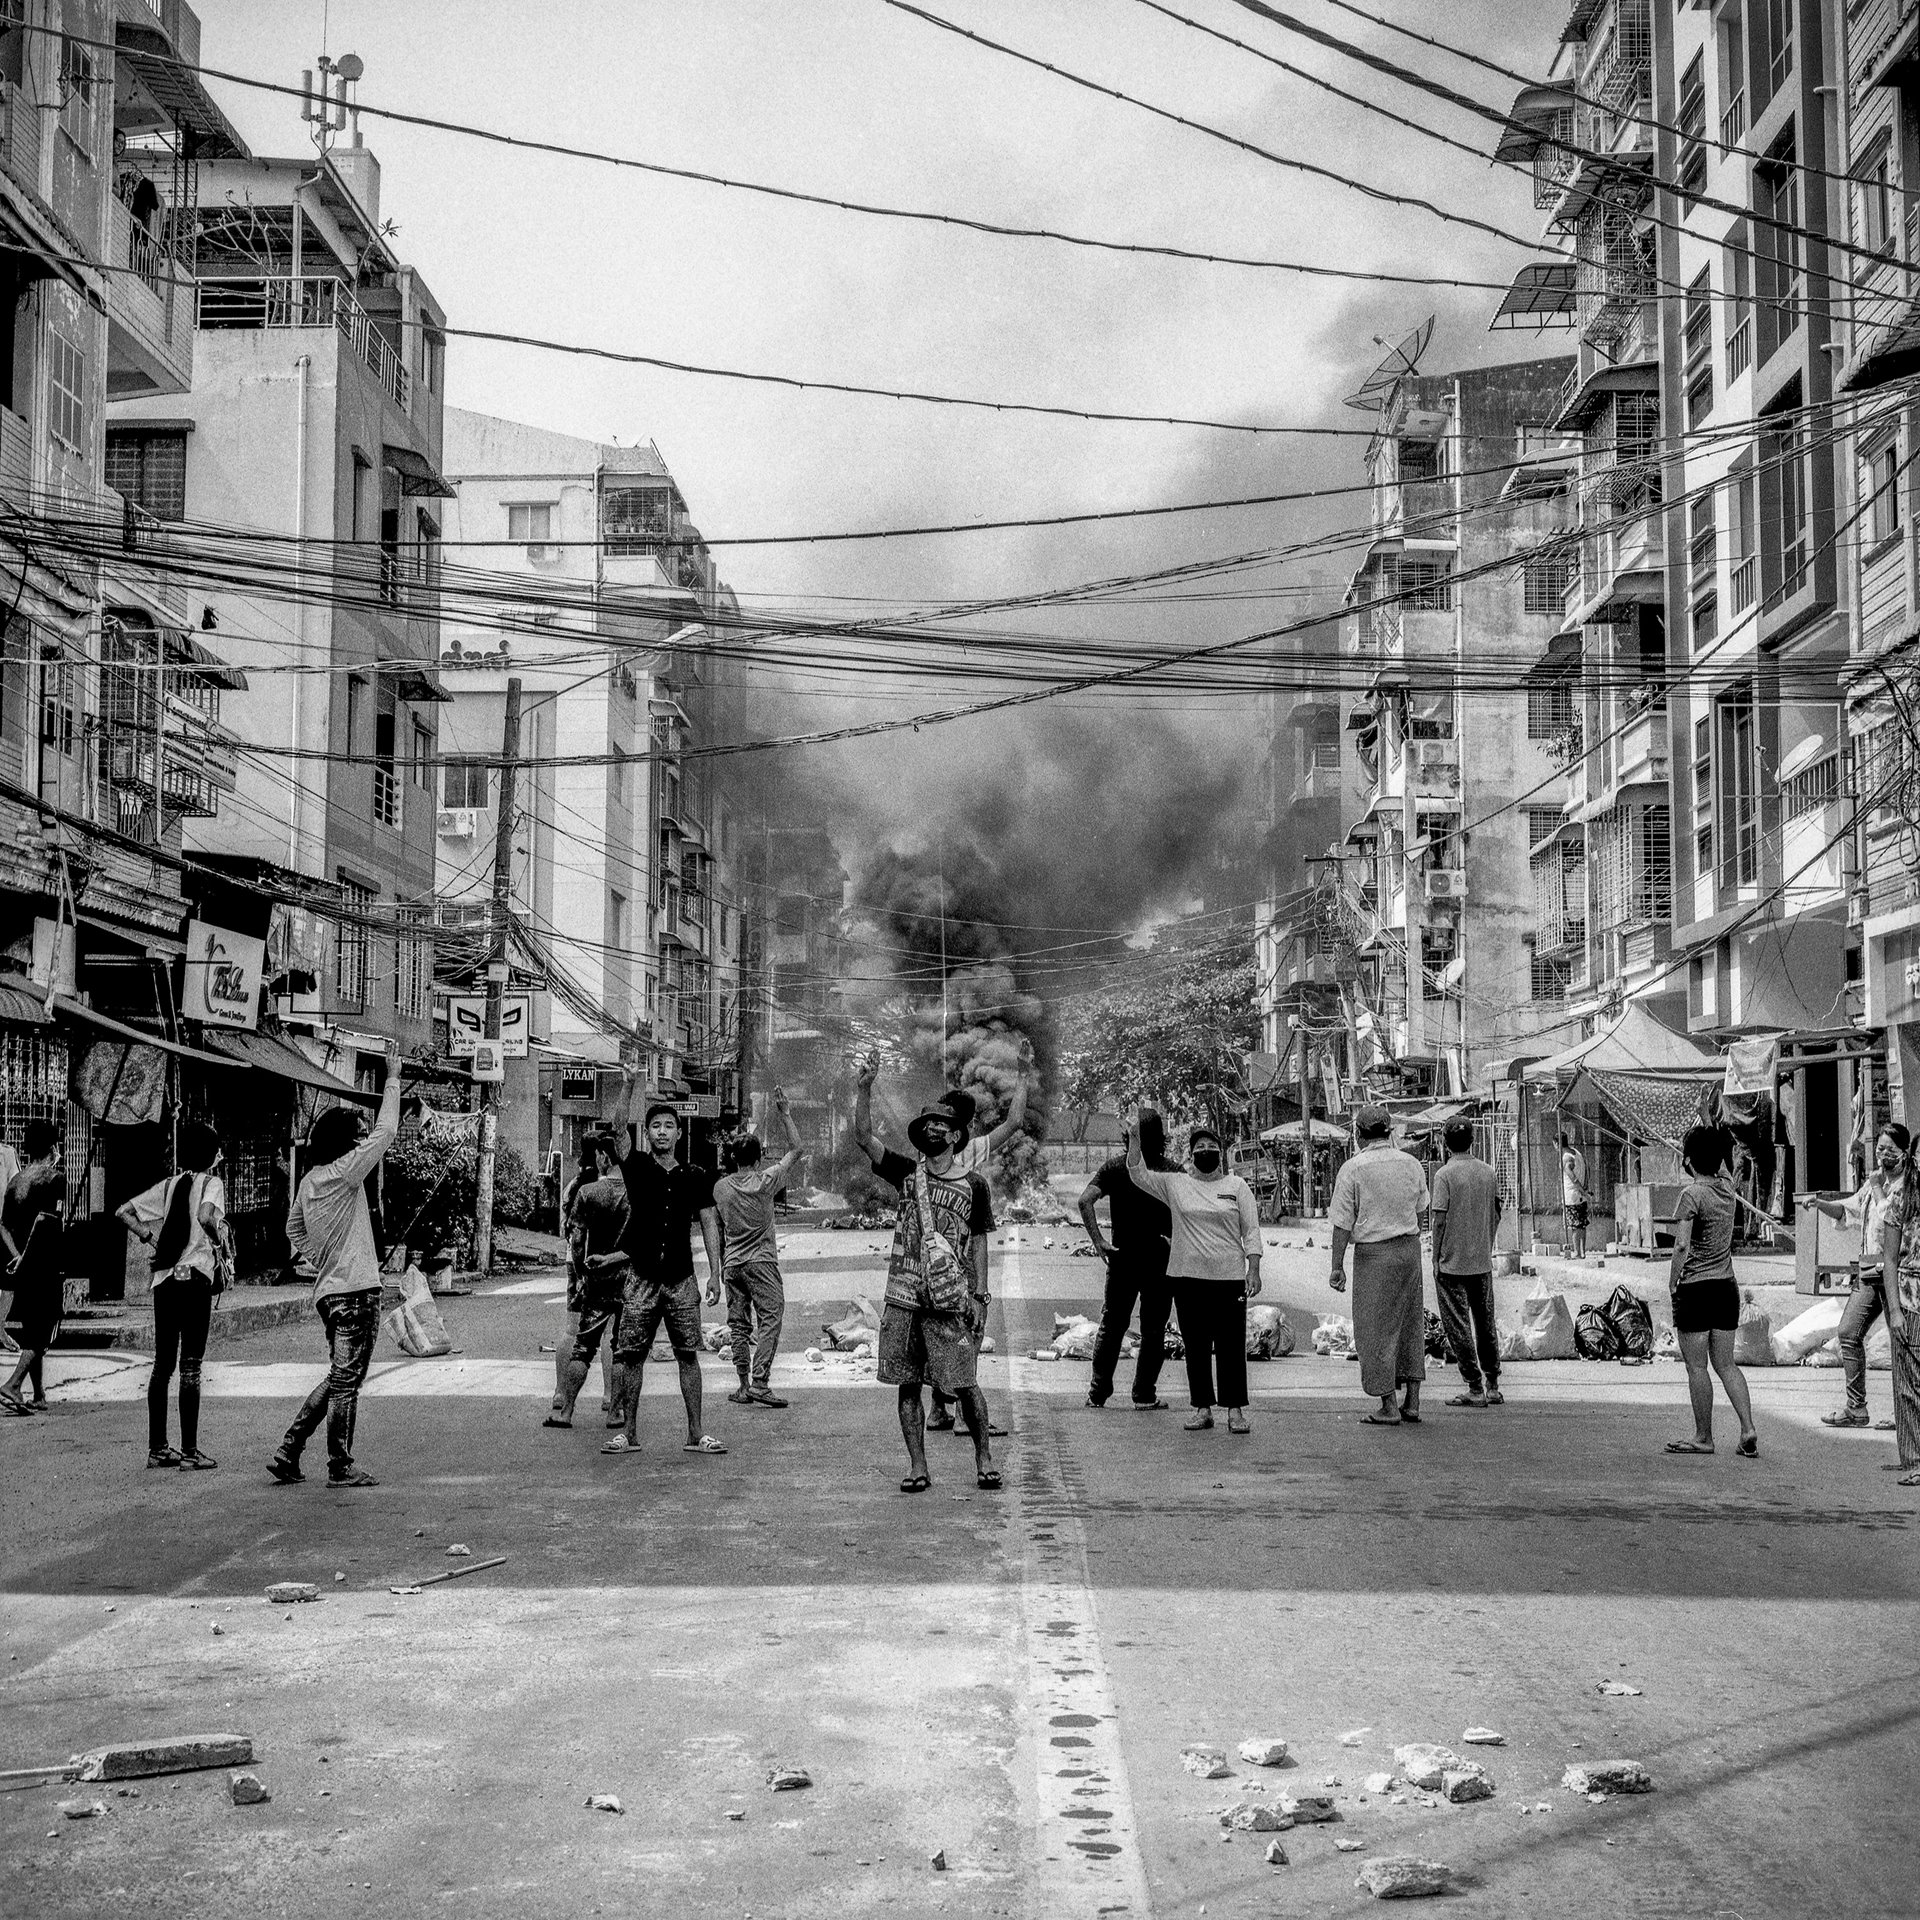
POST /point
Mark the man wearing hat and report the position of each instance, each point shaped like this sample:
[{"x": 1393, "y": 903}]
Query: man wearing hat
[
  {"x": 936, "y": 1299},
  {"x": 1379, "y": 1206},
  {"x": 665, "y": 1201}
]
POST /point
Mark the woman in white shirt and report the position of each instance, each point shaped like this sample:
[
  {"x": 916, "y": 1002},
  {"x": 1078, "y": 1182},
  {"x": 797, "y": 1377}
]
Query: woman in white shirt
[
  {"x": 184, "y": 1220},
  {"x": 1866, "y": 1209},
  {"x": 1213, "y": 1266}
]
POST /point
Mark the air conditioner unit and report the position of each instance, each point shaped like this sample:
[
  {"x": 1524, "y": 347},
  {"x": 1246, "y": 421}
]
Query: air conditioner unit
[
  {"x": 1446, "y": 883},
  {"x": 457, "y": 823}
]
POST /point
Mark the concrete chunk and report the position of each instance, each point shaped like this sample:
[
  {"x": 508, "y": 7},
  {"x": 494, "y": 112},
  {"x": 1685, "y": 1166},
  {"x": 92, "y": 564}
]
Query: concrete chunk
[
  {"x": 1482, "y": 1737},
  {"x": 1308, "y": 1808},
  {"x": 1422, "y": 1764},
  {"x": 789, "y": 1779},
  {"x": 1461, "y": 1784},
  {"x": 1402, "y": 1876},
  {"x": 1210, "y": 1763},
  {"x": 1276, "y": 1854},
  {"x": 1378, "y": 1783},
  {"x": 287, "y": 1593},
  {"x": 1263, "y": 1753},
  {"x": 605, "y": 1803},
  {"x": 186, "y": 1753},
  {"x": 83, "y": 1809},
  {"x": 1607, "y": 1777},
  {"x": 248, "y": 1790},
  {"x": 1250, "y": 1817}
]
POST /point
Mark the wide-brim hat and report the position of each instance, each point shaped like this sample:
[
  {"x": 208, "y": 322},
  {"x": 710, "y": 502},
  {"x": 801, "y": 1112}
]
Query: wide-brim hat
[
  {"x": 962, "y": 1106},
  {"x": 941, "y": 1111}
]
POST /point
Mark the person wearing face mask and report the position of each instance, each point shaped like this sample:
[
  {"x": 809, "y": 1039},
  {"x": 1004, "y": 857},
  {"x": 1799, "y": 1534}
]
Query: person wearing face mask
[
  {"x": 1379, "y": 1206},
  {"x": 1865, "y": 1209},
  {"x": 1213, "y": 1266}
]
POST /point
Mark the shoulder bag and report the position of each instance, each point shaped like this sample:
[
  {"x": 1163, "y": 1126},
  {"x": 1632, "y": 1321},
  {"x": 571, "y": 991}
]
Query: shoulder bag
[{"x": 941, "y": 1268}]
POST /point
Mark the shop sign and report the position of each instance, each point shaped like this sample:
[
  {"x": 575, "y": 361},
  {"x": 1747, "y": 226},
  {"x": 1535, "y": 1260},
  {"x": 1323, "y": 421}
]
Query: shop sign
[
  {"x": 222, "y": 981},
  {"x": 579, "y": 1084},
  {"x": 467, "y": 1023}
]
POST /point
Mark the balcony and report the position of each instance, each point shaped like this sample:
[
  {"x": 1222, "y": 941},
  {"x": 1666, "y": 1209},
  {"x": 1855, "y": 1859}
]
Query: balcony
[
  {"x": 282, "y": 301},
  {"x": 149, "y": 312},
  {"x": 1640, "y": 752},
  {"x": 1733, "y": 120},
  {"x": 19, "y": 138}
]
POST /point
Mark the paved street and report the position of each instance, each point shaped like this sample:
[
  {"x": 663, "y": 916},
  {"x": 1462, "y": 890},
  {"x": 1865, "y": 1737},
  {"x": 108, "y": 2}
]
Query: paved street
[{"x": 1006, "y": 1679}]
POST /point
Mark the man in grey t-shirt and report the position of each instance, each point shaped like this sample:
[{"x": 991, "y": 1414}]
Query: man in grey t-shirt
[
  {"x": 1465, "y": 1211},
  {"x": 750, "y": 1258}
]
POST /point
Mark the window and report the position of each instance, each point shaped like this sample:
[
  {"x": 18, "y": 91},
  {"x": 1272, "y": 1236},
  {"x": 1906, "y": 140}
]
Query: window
[
  {"x": 1738, "y": 282},
  {"x": 1552, "y": 979},
  {"x": 420, "y": 769},
  {"x": 1786, "y": 532},
  {"x": 1549, "y": 707},
  {"x": 790, "y": 915},
  {"x": 1739, "y": 789},
  {"x": 386, "y": 785},
  {"x": 1880, "y": 483},
  {"x": 530, "y": 524},
  {"x": 1419, "y": 459},
  {"x": 1693, "y": 129},
  {"x": 350, "y": 949},
  {"x": 66, "y": 392},
  {"x": 412, "y": 967},
  {"x": 1772, "y": 49},
  {"x": 356, "y": 709},
  {"x": 464, "y": 784},
  {"x": 1700, "y": 395},
  {"x": 1733, "y": 76},
  {"x": 1877, "y": 227},
  {"x": 76, "y": 95},
  {"x": 57, "y": 704},
  {"x": 1742, "y": 535},
  {"x": 636, "y": 519},
  {"x": 1427, "y": 585},
  {"x": 1546, "y": 582},
  {"x": 390, "y": 555},
  {"x": 362, "y": 489},
  {"x": 1698, "y": 324},
  {"x": 426, "y": 551},
  {"x": 1703, "y": 797},
  {"x": 1776, "y": 243},
  {"x": 150, "y": 469},
  {"x": 1326, "y": 740}
]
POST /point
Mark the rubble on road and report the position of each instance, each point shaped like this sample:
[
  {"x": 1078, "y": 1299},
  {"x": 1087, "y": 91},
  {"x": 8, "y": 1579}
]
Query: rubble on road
[
  {"x": 248, "y": 1790},
  {"x": 859, "y": 1324},
  {"x": 287, "y": 1593},
  {"x": 83, "y": 1809},
  {"x": 1482, "y": 1737},
  {"x": 1607, "y": 1777},
  {"x": 1354, "y": 1738},
  {"x": 939, "y": 1861},
  {"x": 459, "y": 1552},
  {"x": 1618, "y": 1688},
  {"x": 1209, "y": 1763},
  {"x": 605, "y": 1803},
  {"x": 1402, "y": 1876},
  {"x": 789, "y": 1779},
  {"x": 1378, "y": 1783},
  {"x": 1308, "y": 1809},
  {"x": 1276, "y": 1854},
  {"x": 736, "y": 1813},
  {"x": 184, "y": 1753},
  {"x": 1423, "y": 1765},
  {"x": 1462, "y": 1784},
  {"x": 1249, "y": 1816},
  {"x": 1350, "y": 1846},
  {"x": 1263, "y": 1753}
]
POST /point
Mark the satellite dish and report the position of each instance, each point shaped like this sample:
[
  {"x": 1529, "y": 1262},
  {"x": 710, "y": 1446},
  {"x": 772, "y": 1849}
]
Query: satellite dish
[
  {"x": 350, "y": 67},
  {"x": 1378, "y": 388}
]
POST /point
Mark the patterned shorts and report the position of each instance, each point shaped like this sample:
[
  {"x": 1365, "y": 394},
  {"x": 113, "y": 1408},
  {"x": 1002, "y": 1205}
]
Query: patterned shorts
[
  {"x": 651, "y": 1304},
  {"x": 918, "y": 1348}
]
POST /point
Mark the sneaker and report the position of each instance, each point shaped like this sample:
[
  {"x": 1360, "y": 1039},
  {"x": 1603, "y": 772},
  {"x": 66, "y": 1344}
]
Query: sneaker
[
  {"x": 163, "y": 1457},
  {"x": 286, "y": 1471},
  {"x": 197, "y": 1462},
  {"x": 741, "y": 1396}
]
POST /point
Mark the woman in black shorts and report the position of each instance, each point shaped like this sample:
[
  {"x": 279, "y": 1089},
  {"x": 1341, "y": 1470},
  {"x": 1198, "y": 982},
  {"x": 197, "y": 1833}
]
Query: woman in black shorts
[{"x": 1706, "y": 1301}]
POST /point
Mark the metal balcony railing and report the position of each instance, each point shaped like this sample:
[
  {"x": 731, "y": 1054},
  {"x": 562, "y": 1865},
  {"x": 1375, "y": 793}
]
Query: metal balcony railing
[
  {"x": 283, "y": 301},
  {"x": 1812, "y": 788},
  {"x": 1733, "y": 121}
]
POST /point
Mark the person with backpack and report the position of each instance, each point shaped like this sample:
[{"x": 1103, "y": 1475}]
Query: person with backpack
[
  {"x": 1706, "y": 1300},
  {"x": 33, "y": 1215},
  {"x": 1465, "y": 1210},
  {"x": 184, "y": 1221}
]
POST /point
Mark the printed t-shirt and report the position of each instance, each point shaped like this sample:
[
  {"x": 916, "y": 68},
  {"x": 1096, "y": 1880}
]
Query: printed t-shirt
[
  {"x": 744, "y": 1202},
  {"x": 1709, "y": 1204},
  {"x": 962, "y": 1207},
  {"x": 1466, "y": 1192},
  {"x": 329, "y": 1225},
  {"x": 664, "y": 1205},
  {"x": 1142, "y": 1226},
  {"x": 200, "y": 1255},
  {"x": 1378, "y": 1194}
]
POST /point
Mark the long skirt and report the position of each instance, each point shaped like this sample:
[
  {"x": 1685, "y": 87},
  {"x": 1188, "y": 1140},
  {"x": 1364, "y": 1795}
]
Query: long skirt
[{"x": 1389, "y": 1314}]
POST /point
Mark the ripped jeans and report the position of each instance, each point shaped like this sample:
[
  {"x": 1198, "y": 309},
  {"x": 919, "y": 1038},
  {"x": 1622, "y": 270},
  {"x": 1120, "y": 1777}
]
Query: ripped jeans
[
  {"x": 352, "y": 1321},
  {"x": 182, "y": 1314}
]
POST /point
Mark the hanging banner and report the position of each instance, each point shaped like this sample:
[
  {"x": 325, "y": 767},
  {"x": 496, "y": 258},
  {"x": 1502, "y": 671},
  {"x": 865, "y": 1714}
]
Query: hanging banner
[{"x": 1752, "y": 1065}]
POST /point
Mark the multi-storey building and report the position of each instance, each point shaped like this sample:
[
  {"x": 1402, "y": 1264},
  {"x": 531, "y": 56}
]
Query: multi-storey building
[
  {"x": 627, "y": 903},
  {"x": 310, "y": 441},
  {"x": 1458, "y": 600},
  {"x": 1878, "y": 61}
]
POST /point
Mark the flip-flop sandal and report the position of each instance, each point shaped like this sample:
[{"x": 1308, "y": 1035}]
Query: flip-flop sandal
[
  {"x": 15, "y": 1411},
  {"x": 1466, "y": 1400},
  {"x": 915, "y": 1483},
  {"x": 988, "y": 1482},
  {"x": 1409, "y": 1417},
  {"x": 705, "y": 1444},
  {"x": 1749, "y": 1448},
  {"x": 1883, "y": 1426},
  {"x": 550, "y": 1421},
  {"x": 1686, "y": 1446},
  {"x": 1908, "y": 1480},
  {"x": 622, "y": 1445},
  {"x": 1238, "y": 1423},
  {"x": 1844, "y": 1419},
  {"x": 1380, "y": 1420}
]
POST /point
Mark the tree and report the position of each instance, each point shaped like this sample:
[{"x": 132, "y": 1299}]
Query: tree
[{"x": 1175, "y": 1034}]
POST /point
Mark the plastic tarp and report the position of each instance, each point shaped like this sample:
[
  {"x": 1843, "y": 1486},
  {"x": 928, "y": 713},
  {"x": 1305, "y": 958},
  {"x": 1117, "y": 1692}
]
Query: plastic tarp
[{"x": 1636, "y": 1043}]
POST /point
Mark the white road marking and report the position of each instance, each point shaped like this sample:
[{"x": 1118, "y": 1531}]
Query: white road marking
[{"x": 1087, "y": 1853}]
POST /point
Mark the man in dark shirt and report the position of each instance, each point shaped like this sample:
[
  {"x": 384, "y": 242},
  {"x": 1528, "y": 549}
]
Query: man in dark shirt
[
  {"x": 1136, "y": 1258},
  {"x": 597, "y": 1208},
  {"x": 665, "y": 1201},
  {"x": 921, "y": 1340}
]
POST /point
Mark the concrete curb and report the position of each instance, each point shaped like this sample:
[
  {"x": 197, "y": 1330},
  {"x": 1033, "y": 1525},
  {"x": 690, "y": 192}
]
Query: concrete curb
[{"x": 229, "y": 1322}]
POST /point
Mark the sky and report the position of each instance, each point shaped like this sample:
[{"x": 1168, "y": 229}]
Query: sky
[{"x": 855, "y": 98}]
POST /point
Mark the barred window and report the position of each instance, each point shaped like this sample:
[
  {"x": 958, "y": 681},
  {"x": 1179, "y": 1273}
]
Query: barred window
[
  {"x": 1546, "y": 582},
  {"x": 350, "y": 952},
  {"x": 412, "y": 967},
  {"x": 66, "y": 392},
  {"x": 1549, "y": 708},
  {"x": 1542, "y": 822},
  {"x": 1552, "y": 979},
  {"x": 150, "y": 469},
  {"x": 1427, "y": 585}
]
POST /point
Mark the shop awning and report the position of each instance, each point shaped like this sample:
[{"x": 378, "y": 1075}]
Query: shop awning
[
  {"x": 417, "y": 476},
  {"x": 1437, "y": 1115},
  {"x": 1290, "y": 1130},
  {"x": 1636, "y": 1043},
  {"x": 271, "y": 1054},
  {"x": 66, "y": 1009},
  {"x": 1541, "y": 296},
  {"x": 410, "y": 680}
]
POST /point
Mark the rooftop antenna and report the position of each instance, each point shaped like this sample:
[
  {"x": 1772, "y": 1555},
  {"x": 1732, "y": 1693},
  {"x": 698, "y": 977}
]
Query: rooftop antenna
[{"x": 329, "y": 106}]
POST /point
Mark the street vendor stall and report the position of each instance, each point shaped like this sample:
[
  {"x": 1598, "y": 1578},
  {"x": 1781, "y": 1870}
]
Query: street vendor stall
[{"x": 1331, "y": 1146}]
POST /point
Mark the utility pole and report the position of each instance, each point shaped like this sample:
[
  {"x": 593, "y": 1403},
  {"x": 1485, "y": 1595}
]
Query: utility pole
[
  {"x": 1306, "y": 1108},
  {"x": 496, "y": 977}
]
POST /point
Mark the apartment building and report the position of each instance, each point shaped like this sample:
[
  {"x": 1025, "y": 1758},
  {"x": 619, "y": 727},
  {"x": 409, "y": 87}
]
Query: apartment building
[
  {"x": 631, "y": 922},
  {"x": 1878, "y": 63},
  {"x": 1457, "y": 602},
  {"x": 307, "y": 456}
]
